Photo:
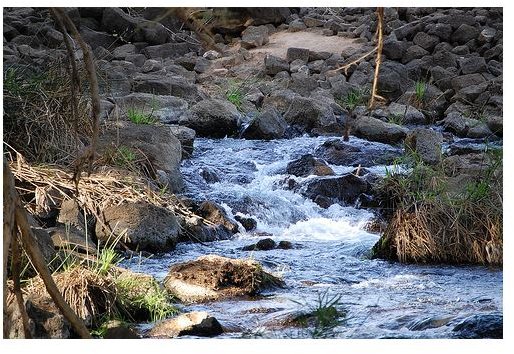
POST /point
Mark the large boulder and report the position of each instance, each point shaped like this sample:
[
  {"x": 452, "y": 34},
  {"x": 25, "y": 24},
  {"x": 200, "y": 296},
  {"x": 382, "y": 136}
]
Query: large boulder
[
  {"x": 312, "y": 115},
  {"x": 376, "y": 130},
  {"x": 254, "y": 36},
  {"x": 280, "y": 100},
  {"x": 199, "y": 324},
  {"x": 464, "y": 34},
  {"x": 337, "y": 152},
  {"x": 465, "y": 127},
  {"x": 479, "y": 326},
  {"x": 167, "y": 109},
  {"x": 117, "y": 22},
  {"x": 273, "y": 64},
  {"x": 407, "y": 113},
  {"x": 142, "y": 226},
  {"x": 266, "y": 125},
  {"x": 394, "y": 80},
  {"x": 213, "y": 118},
  {"x": 212, "y": 277},
  {"x": 171, "y": 85},
  {"x": 44, "y": 318},
  {"x": 426, "y": 143},
  {"x": 158, "y": 144},
  {"x": 340, "y": 189},
  {"x": 308, "y": 165}
]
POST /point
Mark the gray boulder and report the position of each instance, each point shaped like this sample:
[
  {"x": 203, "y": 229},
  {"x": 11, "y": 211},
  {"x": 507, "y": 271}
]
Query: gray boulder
[
  {"x": 297, "y": 53},
  {"x": 273, "y": 65},
  {"x": 473, "y": 65},
  {"x": 157, "y": 143},
  {"x": 213, "y": 118},
  {"x": 426, "y": 41},
  {"x": 394, "y": 80},
  {"x": 170, "y": 85},
  {"x": 376, "y": 130},
  {"x": 460, "y": 82},
  {"x": 115, "y": 21},
  {"x": 337, "y": 152},
  {"x": 167, "y": 50},
  {"x": 312, "y": 115},
  {"x": 266, "y": 125},
  {"x": 340, "y": 189},
  {"x": 144, "y": 226},
  {"x": 308, "y": 165},
  {"x": 186, "y": 136},
  {"x": 464, "y": 34},
  {"x": 254, "y": 36},
  {"x": 464, "y": 127},
  {"x": 167, "y": 109},
  {"x": 426, "y": 143},
  {"x": 407, "y": 113}
]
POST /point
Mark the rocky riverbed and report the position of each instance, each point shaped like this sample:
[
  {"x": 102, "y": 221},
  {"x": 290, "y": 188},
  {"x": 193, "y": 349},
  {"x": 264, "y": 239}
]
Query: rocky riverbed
[{"x": 246, "y": 131}]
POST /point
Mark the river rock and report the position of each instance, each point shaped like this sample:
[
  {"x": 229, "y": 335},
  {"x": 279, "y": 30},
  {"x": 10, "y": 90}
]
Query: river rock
[
  {"x": 472, "y": 65},
  {"x": 199, "y": 324},
  {"x": 301, "y": 54},
  {"x": 340, "y": 153},
  {"x": 262, "y": 245},
  {"x": 70, "y": 238},
  {"x": 267, "y": 125},
  {"x": 473, "y": 164},
  {"x": 213, "y": 118},
  {"x": 248, "y": 223},
  {"x": 308, "y": 165},
  {"x": 407, "y": 113},
  {"x": 341, "y": 189},
  {"x": 464, "y": 34},
  {"x": 144, "y": 227},
  {"x": 279, "y": 99},
  {"x": 480, "y": 326},
  {"x": 394, "y": 80},
  {"x": 157, "y": 143},
  {"x": 376, "y": 130},
  {"x": 213, "y": 277},
  {"x": 217, "y": 215},
  {"x": 310, "y": 114},
  {"x": 495, "y": 123},
  {"x": 116, "y": 329},
  {"x": 462, "y": 126},
  {"x": 425, "y": 41},
  {"x": 426, "y": 143}
]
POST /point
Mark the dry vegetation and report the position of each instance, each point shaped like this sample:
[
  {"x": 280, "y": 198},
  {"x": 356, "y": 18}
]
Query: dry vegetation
[{"x": 433, "y": 220}]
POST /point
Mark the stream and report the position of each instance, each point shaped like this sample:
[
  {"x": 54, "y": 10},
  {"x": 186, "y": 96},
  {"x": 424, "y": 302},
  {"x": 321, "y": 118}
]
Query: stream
[{"x": 330, "y": 259}]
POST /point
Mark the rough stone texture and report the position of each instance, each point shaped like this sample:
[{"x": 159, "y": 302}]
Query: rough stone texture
[
  {"x": 309, "y": 114},
  {"x": 463, "y": 81},
  {"x": 473, "y": 164},
  {"x": 171, "y": 85},
  {"x": 308, "y": 165},
  {"x": 254, "y": 36},
  {"x": 273, "y": 65},
  {"x": 262, "y": 245},
  {"x": 408, "y": 114},
  {"x": 464, "y": 127},
  {"x": 167, "y": 109},
  {"x": 376, "y": 130},
  {"x": 341, "y": 189},
  {"x": 266, "y": 125},
  {"x": 425, "y": 41},
  {"x": 426, "y": 143},
  {"x": 495, "y": 123},
  {"x": 146, "y": 227},
  {"x": 199, "y": 324},
  {"x": 167, "y": 50},
  {"x": 480, "y": 326},
  {"x": 280, "y": 100},
  {"x": 45, "y": 319},
  {"x": 473, "y": 65},
  {"x": 159, "y": 145},
  {"x": 394, "y": 80},
  {"x": 214, "y": 277},
  {"x": 393, "y": 49},
  {"x": 464, "y": 34},
  {"x": 115, "y": 21},
  {"x": 213, "y": 118},
  {"x": 186, "y": 136},
  {"x": 413, "y": 52},
  {"x": 217, "y": 215},
  {"x": 71, "y": 239},
  {"x": 344, "y": 154},
  {"x": 297, "y": 53}
]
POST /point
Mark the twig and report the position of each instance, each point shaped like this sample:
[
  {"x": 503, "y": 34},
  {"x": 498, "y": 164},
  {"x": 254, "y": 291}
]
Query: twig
[{"x": 378, "y": 60}]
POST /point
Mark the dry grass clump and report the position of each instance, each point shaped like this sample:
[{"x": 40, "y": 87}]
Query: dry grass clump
[
  {"x": 90, "y": 294},
  {"x": 39, "y": 118},
  {"x": 433, "y": 220},
  {"x": 104, "y": 188}
]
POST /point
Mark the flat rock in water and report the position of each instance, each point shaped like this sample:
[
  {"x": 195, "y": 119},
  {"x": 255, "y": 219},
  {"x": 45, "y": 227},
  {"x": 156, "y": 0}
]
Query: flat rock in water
[
  {"x": 199, "y": 324},
  {"x": 214, "y": 277}
]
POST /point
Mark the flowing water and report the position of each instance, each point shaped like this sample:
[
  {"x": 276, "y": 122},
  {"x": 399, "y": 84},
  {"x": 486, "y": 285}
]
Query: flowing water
[{"x": 331, "y": 255}]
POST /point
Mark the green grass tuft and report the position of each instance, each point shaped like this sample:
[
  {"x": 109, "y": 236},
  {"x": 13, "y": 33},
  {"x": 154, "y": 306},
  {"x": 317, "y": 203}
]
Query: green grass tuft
[{"x": 139, "y": 117}]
